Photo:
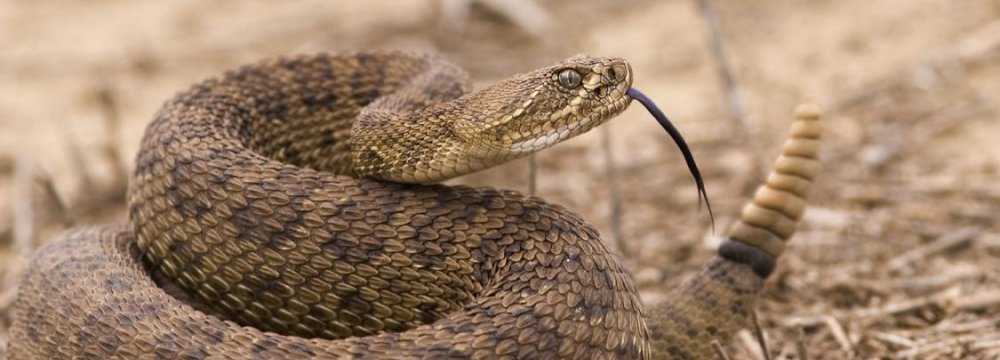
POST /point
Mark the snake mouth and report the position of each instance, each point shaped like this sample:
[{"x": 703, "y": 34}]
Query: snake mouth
[{"x": 573, "y": 128}]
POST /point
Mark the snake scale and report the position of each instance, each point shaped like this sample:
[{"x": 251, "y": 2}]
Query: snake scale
[{"x": 291, "y": 203}]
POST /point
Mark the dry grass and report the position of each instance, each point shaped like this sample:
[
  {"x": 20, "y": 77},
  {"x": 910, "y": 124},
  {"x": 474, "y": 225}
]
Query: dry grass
[{"x": 897, "y": 257}]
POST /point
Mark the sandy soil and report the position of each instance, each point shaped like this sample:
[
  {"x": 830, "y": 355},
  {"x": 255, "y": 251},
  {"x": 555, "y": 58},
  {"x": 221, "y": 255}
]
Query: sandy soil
[{"x": 898, "y": 254}]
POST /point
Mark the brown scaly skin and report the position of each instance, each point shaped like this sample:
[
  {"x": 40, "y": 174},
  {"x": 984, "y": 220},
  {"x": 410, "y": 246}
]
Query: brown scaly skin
[{"x": 240, "y": 198}]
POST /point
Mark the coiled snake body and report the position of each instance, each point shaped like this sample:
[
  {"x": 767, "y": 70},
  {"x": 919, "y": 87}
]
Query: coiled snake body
[{"x": 286, "y": 196}]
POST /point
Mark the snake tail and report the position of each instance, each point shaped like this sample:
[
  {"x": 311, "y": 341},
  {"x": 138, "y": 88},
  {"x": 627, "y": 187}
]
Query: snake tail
[{"x": 719, "y": 300}]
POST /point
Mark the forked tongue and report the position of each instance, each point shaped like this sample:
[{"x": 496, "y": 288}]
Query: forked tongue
[{"x": 681, "y": 144}]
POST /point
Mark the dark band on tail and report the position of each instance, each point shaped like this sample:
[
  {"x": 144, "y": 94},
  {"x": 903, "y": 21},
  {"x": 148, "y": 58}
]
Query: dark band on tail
[{"x": 760, "y": 261}]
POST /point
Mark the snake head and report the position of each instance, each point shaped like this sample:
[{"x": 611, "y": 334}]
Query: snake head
[
  {"x": 424, "y": 133},
  {"x": 553, "y": 104}
]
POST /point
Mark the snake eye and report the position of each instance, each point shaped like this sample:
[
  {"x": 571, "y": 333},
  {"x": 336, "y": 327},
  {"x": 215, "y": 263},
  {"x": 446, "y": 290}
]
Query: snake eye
[{"x": 569, "y": 78}]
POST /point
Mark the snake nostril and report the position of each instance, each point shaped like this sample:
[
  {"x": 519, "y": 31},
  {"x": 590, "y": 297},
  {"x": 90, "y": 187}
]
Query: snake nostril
[{"x": 618, "y": 71}]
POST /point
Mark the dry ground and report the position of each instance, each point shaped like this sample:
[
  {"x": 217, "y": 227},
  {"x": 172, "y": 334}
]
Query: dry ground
[{"x": 897, "y": 258}]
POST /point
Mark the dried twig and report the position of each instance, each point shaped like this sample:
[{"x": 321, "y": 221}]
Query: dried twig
[
  {"x": 6, "y": 164},
  {"x": 759, "y": 334},
  {"x": 5, "y": 226},
  {"x": 722, "y": 68},
  {"x": 108, "y": 103},
  {"x": 894, "y": 339},
  {"x": 944, "y": 243},
  {"x": 989, "y": 241},
  {"x": 980, "y": 45},
  {"x": 65, "y": 215},
  {"x": 923, "y": 284},
  {"x": 24, "y": 217},
  {"x": 719, "y": 350},
  {"x": 952, "y": 296},
  {"x": 971, "y": 341},
  {"x": 750, "y": 344},
  {"x": 838, "y": 333},
  {"x": 800, "y": 345},
  {"x": 980, "y": 300},
  {"x": 975, "y": 325},
  {"x": 611, "y": 176},
  {"x": 734, "y": 97},
  {"x": 78, "y": 162},
  {"x": 909, "y": 305},
  {"x": 525, "y": 14}
]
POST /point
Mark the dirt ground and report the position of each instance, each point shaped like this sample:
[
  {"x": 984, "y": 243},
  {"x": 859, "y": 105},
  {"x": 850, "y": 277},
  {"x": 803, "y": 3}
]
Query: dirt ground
[{"x": 898, "y": 254}]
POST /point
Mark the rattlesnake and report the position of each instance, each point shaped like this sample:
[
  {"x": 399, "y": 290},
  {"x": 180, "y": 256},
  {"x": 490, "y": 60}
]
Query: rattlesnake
[{"x": 290, "y": 196}]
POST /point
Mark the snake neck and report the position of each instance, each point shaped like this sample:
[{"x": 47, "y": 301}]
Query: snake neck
[{"x": 422, "y": 146}]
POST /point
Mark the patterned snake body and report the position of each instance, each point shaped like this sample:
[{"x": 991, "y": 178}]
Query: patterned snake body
[{"x": 276, "y": 197}]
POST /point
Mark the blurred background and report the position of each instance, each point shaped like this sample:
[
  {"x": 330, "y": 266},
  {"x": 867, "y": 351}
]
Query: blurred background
[{"x": 897, "y": 256}]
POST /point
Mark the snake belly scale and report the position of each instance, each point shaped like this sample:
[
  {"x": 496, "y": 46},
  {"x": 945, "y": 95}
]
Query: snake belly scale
[{"x": 291, "y": 201}]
